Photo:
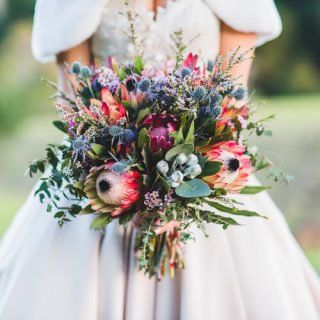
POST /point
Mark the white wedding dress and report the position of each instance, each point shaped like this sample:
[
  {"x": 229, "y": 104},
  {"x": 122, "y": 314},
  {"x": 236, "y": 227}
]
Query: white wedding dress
[{"x": 252, "y": 272}]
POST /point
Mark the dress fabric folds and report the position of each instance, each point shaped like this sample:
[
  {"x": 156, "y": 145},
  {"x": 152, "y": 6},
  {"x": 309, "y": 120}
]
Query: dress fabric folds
[{"x": 252, "y": 272}]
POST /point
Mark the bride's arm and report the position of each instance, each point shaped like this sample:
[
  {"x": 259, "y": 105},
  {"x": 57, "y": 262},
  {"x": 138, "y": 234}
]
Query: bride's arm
[
  {"x": 231, "y": 39},
  {"x": 82, "y": 53}
]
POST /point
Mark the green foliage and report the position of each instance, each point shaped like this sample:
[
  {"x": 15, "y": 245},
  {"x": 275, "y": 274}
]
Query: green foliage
[
  {"x": 193, "y": 189},
  {"x": 186, "y": 148}
]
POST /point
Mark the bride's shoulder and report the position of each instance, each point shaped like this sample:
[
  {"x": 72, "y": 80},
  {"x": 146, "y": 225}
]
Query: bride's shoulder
[
  {"x": 258, "y": 16},
  {"x": 60, "y": 25}
]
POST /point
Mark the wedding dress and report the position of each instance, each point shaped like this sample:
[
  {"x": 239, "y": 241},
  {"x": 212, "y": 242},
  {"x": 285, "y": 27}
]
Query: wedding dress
[{"x": 252, "y": 272}]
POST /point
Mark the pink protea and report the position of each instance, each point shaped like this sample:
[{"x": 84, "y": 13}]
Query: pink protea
[
  {"x": 236, "y": 166},
  {"x": 112, "y": 192},
  {"x": 160, "y": 127},
  {"x": 191, "y": 62}
]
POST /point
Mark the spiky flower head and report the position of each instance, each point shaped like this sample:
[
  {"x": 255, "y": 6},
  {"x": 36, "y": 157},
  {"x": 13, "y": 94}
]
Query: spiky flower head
[
  {"x": 144, "y": 85},
  {"x": 112, "y": 192},
  {"x": 198, "y": 93}
]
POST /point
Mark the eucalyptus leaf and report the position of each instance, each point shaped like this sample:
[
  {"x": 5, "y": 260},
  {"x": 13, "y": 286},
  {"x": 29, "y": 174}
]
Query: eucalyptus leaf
[
  {"x": 193, "y": 189},
  {"x": 186, "y": 148}
]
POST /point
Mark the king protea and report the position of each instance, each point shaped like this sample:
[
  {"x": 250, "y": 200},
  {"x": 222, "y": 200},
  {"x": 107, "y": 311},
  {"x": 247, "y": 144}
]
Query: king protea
[
  {"x": 111, "y": 192},
  {"x": 236, "y": 166}
]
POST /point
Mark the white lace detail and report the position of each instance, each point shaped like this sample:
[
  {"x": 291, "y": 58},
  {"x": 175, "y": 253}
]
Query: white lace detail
[{"x": 200, "y": 30}]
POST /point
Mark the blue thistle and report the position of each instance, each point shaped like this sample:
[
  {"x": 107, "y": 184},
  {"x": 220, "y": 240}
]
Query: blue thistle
[
  {"x": 210, "y": 111},
  {"x": 144, "y": 85},
  {"x": 210, "y": 65},
  {"x": 76, "y": 67},
  {"x": 215, "y": 99},
  {"x": 85, "y": 72},
  {"x": 80, "y": 146},
  {"x": 240, "y": 93},
  {"x": 116, "y": 131},
  {"x": 120, "y": 167},
  {"x": 198, "y": 93},
  {"x": 129, "y": 136},
  {"x": 185, "y": 72}
]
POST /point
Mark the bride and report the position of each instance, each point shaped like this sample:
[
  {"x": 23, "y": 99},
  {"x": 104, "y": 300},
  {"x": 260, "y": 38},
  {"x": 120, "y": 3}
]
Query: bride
[{"x": 256, "y": 272}]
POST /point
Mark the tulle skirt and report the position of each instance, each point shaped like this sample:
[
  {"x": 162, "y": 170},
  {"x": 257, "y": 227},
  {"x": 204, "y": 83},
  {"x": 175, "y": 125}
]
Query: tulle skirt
[{"x": 251, "y": 272}]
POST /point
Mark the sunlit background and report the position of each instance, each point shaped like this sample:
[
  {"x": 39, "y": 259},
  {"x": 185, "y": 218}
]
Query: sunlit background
[{"x": 285, "y": 76}]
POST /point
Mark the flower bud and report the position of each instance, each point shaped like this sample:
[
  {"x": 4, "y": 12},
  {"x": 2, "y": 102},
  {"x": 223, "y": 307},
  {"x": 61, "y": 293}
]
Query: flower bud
[
  {"x": 192, "y": 159},
  {"x": 176, "y": 177},
  {"x": 181, "y": 159},
  {"x": 193, "y": 171},
  {"x": 163, "y": 167}
]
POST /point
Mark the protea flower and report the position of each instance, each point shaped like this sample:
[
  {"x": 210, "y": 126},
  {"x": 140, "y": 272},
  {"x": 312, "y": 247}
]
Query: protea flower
[
  {"x": 236, "y": 166},
  {"x": 160, "y": 127},
  {"x": 133, "y": 98},
  {"x": 231, "y": 112},
  {"x": 191, "y": 62},
  {"x": 111, "y": 192}
]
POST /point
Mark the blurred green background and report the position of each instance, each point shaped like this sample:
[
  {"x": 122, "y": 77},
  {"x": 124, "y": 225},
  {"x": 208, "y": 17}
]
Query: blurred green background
[{"x": 285, "y": 75}]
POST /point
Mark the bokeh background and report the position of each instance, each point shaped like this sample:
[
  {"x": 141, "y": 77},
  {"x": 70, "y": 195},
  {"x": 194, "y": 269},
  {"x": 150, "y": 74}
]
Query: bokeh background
[{"x": 285, "y": 75}]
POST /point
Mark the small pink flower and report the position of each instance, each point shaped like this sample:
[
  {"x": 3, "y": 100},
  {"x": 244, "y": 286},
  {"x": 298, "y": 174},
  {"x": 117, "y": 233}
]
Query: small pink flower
[{"x": 236, "y": 166}]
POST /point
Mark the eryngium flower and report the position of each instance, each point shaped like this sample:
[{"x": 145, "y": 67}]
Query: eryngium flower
[
  {"x": 112, "y": 192},
  {"x": 236, "y": 166},
  {"x": 160, "y": 127}
]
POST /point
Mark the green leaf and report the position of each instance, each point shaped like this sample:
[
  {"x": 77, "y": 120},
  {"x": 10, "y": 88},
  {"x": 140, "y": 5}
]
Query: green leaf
[
  {"x": 143, "y": 113},
  {"x": 211, "y": 168},
  {"x": 143, "y": 138},
  {"x": 190, "y": 136},
  {"x": 101, "y": 221},
  {"x": 138, "y": 65},
  {"x": 186, "y": 148},
  {"x": 122, "y": 74},
  {"x": 233, "y": 210},
  {"x": 254, "y": 189},
  {"x": 98, "y": 149},
  {"x": 193, "y": 189},
  {"x": 178, "y": 136},
  {"x": 61, "y": 126},
  {"x": 126, "y": 217}
]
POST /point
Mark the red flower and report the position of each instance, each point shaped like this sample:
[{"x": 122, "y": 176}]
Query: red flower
[
  {"x": 236, "y": 166},
  {"x": 160, "y": 127}
]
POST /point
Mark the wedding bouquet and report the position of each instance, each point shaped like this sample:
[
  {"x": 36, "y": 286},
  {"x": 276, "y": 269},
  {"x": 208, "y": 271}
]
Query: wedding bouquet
[{"x": 160, "y": 147}]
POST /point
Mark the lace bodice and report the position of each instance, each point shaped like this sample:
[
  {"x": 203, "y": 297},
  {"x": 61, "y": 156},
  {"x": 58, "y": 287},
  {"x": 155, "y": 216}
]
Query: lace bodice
[
  {"x": 60, "y": 25},
  {"x": 200, "y": 30}
]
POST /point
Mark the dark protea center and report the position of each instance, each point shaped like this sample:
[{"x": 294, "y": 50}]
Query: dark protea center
[
  {"x": 104, "y": 186},
  {"x": 131, "y": 84},
  {"x": 233, "y": 164}
]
